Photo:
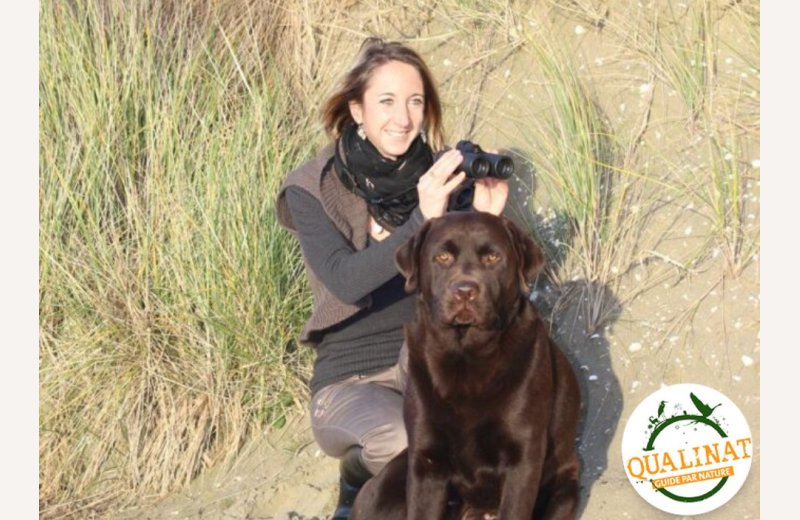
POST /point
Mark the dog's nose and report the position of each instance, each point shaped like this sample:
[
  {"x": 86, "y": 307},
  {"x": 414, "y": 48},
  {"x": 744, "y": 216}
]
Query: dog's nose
[{"x": 464, "y": 290}]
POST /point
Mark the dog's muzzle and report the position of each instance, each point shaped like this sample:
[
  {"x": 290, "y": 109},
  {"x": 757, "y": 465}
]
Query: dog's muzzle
[
  {"x": 464, "y": 290},
  {"x": 462, "y": 297}
]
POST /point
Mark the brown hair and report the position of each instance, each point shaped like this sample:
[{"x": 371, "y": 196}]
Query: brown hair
[{"x": 375, "y": 52}]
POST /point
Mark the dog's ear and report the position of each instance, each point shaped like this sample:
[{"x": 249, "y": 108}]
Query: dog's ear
[
  {"x": 530, "y": 259},
  {"x": 407, "y": 257}
]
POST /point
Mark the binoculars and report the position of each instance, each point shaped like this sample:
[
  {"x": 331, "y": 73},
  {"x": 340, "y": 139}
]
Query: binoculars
[{"x": 478, "y": 164}]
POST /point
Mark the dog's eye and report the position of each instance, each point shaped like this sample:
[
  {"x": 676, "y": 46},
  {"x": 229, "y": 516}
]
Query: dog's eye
[
  {"x": 491, "y": 258},
  {"x": 443, "y": 257}
]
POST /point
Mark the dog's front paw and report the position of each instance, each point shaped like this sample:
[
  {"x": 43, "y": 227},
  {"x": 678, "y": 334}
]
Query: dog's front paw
[{"x": 474, "y": 514}]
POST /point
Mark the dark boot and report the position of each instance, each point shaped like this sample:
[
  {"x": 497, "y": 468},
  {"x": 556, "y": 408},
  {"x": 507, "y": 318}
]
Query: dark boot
[{"x": 352, "y": 475}]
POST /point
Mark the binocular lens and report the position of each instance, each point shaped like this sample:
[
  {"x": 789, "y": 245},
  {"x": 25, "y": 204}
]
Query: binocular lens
[
  {"x": 481, "y": 167},
  {"x": 478, "y": 164},
  {"x": 504, "y": 168}
]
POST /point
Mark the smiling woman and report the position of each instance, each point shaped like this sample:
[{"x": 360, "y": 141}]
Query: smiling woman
[
  {"x": 351, "y": 208},
  {"x": 393, "y": 109}
]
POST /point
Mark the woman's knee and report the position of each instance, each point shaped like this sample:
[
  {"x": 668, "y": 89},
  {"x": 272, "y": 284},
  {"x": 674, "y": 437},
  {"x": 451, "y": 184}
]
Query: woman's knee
[{"x": 382, "y": 444}]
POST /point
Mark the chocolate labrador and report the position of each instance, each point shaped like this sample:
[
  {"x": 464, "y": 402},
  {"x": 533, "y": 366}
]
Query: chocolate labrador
[{"x": 492, "y": 404}]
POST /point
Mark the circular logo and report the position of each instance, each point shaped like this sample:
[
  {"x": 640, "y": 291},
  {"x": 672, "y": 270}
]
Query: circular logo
[{"x": 687, "y": 449}]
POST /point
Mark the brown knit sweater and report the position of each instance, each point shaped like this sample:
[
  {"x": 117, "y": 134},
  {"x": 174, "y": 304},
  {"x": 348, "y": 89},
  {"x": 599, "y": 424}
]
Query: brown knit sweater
[
  {"x": 360, "y": 305},
  {"x": 349, "y": 214}
]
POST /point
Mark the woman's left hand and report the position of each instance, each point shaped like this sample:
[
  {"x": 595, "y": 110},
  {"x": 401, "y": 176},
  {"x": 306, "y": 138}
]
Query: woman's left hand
[{"x": 490, "y": 195}]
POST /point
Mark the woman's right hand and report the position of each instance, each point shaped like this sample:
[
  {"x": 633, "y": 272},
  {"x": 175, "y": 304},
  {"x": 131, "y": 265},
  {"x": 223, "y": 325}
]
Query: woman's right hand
[{"x": 436, "y": 185}]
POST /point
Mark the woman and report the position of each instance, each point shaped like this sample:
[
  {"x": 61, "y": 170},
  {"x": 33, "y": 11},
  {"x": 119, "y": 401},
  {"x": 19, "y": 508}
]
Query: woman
[{"x": 351, "y": 207}]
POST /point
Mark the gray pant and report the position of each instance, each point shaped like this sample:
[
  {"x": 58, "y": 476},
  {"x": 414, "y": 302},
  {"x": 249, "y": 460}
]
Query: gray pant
[{"x": 364, "y": 411}]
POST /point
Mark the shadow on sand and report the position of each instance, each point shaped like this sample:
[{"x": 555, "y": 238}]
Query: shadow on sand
[{"x": 588, "y": 350}]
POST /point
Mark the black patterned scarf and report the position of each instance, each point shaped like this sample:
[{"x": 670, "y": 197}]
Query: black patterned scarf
[{"x": 389, "y": 186}]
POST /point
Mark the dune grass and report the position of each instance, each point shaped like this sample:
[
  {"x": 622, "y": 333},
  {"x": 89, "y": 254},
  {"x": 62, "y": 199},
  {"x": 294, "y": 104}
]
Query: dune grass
[
  {"x": 603, "y": 182},
  {"x": 716, "y": 80},
  {"x": 729, "y": 200},
  {"x": 170, "y": 300},
  {"x": 684, "y": 45},
  {"x": 594, "y": 195}
]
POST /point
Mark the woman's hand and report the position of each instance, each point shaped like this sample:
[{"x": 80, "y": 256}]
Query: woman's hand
[
  {"x": 436, "y": 185},
  {"x": 491, "y": 195}
]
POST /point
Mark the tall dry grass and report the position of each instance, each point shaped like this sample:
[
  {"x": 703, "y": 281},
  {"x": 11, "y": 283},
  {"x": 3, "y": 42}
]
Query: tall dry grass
[
  {"x": 605, "y": 178},
  {"x": 706, "y": 55},
  {"x": 169, "y": 299},
  {"x": 587, "y": 174}
]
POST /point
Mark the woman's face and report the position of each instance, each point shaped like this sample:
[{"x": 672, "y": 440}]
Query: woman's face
[{"x": 392, "y": 109}]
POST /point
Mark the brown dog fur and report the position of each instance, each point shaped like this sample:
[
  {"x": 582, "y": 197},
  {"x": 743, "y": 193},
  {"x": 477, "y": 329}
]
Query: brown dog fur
[{"x": 492, "y": 404}]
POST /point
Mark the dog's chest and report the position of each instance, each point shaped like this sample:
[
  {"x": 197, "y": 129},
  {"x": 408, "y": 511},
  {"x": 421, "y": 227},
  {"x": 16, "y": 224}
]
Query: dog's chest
[
  {"x": 479, "y": 454},
  {"x": 480, "y": 439}
]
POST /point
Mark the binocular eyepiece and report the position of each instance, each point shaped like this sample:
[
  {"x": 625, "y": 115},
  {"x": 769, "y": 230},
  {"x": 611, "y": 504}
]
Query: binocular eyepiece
[{"x": 478, "y": 164}]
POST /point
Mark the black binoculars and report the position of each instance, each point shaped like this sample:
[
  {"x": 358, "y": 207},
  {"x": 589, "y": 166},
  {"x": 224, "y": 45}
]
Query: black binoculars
[{"x": 478, "y": 164}]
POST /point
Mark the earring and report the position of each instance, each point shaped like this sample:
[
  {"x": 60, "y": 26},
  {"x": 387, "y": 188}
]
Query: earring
[
  {"x": 361, "y": 133},
  {"x": 423, "y": 136}
]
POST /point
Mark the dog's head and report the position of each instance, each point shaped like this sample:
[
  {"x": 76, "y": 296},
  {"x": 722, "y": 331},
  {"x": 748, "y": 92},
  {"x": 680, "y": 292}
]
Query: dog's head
[{"x": 470, "y": 268}]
